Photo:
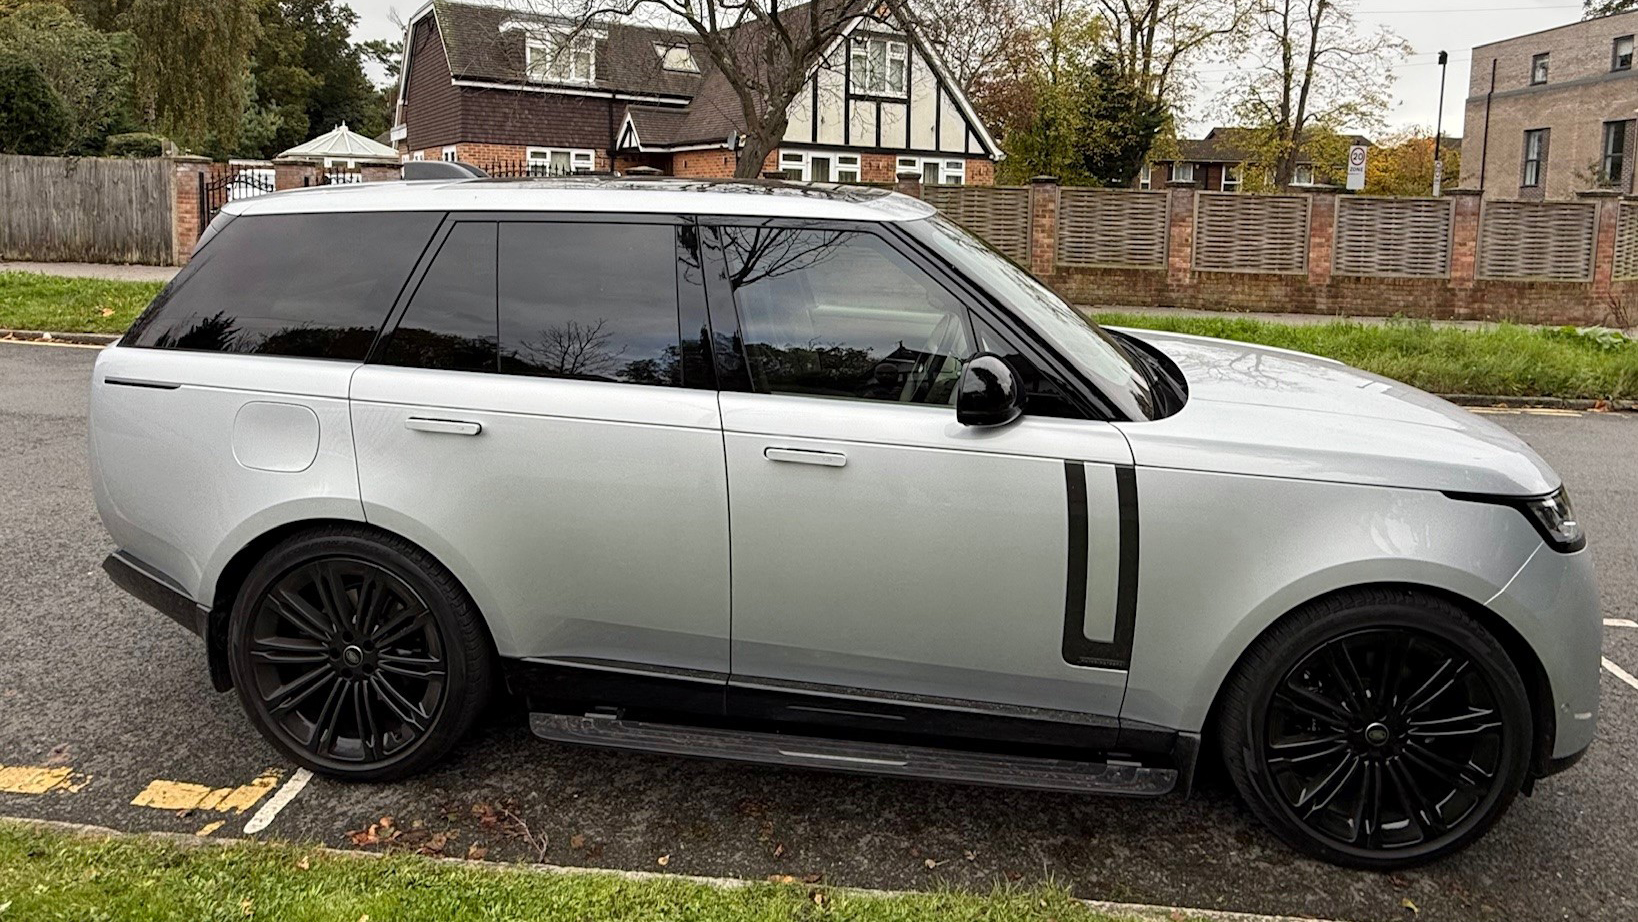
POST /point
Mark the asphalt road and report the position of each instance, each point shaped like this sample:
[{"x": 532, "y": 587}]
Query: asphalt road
[{"x": 93, "y": 683}]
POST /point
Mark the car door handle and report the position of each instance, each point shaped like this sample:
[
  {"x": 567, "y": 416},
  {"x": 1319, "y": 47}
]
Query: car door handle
[
  {"x": 446, "y": 426},
  {"x": 803, "y": 456}
]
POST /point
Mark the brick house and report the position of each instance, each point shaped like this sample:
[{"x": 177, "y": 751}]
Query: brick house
[
  {"x": 485, "y": 84},
  {"x": 1552, "y": 113},
  {"x": 1218, "y": 162}
]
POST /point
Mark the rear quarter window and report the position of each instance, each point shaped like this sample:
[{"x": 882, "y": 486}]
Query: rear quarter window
[{"x": 311, "y": 285}]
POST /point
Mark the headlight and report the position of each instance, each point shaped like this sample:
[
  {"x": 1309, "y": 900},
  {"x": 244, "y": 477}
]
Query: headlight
[
  {"x": 1554, "y": 518},
  {"x": 1551, "y": 515}
]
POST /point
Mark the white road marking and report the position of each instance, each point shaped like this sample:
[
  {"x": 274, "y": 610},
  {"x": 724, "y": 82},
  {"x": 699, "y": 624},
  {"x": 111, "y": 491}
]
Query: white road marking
[
  {"x": 1620, "y": 673},
  {"x": 285, "y": 794},
  {"x": 1620, "y": 622}
]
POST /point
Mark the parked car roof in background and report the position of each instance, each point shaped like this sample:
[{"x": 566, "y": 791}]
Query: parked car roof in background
[{"x": 659, "y": 195}]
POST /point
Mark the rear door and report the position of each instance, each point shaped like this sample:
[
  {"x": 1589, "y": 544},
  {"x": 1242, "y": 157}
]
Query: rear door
[{"x": 537, "y": 419}]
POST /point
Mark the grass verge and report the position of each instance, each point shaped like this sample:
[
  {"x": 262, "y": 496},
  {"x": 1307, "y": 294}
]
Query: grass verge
[
  {"x": 32, "y": 301},
  {"x": 1506, "y": 360},
  {"x": 47, "y": 874}
]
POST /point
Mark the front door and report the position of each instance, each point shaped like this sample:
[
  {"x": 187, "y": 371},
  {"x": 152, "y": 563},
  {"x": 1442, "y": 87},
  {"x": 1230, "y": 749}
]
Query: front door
[
  {"x": 535, "y": 421},
  {"x": 881, "y": 550}
]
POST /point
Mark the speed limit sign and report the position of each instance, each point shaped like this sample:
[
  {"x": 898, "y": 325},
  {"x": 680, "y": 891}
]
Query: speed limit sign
[{"x": 1356, "y": 167}]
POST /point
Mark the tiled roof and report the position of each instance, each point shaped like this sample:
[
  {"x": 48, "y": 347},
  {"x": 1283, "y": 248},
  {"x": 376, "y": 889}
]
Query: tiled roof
[{"x": 1229, "y": 145}]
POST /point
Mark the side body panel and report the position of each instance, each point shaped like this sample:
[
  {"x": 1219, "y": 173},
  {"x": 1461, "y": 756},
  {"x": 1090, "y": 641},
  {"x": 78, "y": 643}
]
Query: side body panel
[
  {"x": 587, "y": 519},
  {"x": 1225, "y": 555},
  {"x": 193, "y": 455},
  {"x": 933, "y": 562}
]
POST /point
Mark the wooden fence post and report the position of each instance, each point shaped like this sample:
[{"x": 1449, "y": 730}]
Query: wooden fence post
[{"x": 1043, "y": 225}]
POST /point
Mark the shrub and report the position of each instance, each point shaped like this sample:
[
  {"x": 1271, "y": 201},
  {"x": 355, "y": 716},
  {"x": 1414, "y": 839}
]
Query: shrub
[
  {"x": 135, "y": 144},
  {"x": 32, "y": 118}
]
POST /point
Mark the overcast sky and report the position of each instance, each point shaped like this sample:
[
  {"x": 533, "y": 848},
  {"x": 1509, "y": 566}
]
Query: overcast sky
[{"x": 1429, "y": 25}]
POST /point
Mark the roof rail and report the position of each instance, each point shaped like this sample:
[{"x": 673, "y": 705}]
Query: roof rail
[{"x": 441, "y": 169}]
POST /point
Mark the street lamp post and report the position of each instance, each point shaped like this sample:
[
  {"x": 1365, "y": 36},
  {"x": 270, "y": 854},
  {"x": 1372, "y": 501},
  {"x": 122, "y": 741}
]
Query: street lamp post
[{"x": 1438, "y": 128}]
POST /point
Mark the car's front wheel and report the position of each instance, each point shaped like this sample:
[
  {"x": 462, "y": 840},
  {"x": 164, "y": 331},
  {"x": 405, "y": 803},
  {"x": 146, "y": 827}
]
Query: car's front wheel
[
  {"x": 357, "y": 654},
  {"x": 1377, "y": 729}
]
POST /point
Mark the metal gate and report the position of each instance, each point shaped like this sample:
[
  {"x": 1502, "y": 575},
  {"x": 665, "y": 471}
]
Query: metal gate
[{"x": 231, "y": 184}]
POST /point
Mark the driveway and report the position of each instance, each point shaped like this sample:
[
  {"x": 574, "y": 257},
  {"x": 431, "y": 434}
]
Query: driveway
[{"x": 104, "y": 702}]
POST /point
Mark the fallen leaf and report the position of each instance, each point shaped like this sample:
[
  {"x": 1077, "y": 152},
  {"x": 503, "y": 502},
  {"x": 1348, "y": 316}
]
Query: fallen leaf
[
  {"x": 1406, "y": 902},
  {"x": 1014, "y": 876},
  {"x": 364, "y": 918},
  {"x": 247, "y": 908},
  {"x": 781, "y": 879},
  {"x": 577, "y": 841},
  {"x": 386, "y": 822},
  {"x": 930, "y": 864},
  {"x": 663, "y": 860},
  {"x": 475, "y": 852},
  {"x": 1178, "y": 916},
  {"x": 970, "y": 856},
  {"x": 364, "y": 836},
  {"x": 779, "y": 850},
  {"x": 304, "y": 864},
  {"x": 820, "y": 898},
  {"x": 107, "y": 312},
  {"x": 813, "y": 878}
]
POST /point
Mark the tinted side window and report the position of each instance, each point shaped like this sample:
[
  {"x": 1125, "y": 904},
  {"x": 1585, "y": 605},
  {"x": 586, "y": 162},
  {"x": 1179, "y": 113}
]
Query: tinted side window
[
  {"x": 315, "y": 285},
  {"x": 590, "y": 301},
  {"x": 450, "y": 320},
  {"x": 842, "y": 314}
]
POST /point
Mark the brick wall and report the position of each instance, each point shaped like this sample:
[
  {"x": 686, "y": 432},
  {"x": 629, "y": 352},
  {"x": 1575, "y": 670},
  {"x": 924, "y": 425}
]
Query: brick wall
[{"x": 704, "y": 164}]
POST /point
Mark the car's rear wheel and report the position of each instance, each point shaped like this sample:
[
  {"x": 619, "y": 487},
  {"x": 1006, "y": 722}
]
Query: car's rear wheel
[
  {"x": 1377, "y": 729},
  {"x": 357, "y": 654}
]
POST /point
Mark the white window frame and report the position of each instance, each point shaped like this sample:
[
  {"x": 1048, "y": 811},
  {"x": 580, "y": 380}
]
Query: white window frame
[
  {"x": 685, "y": 64},
  {"x": 952, "y": 171},
  {"x": 546, "y": 60},
  {"x": 449, "y": 155},
  {"x": 1146, "y": 177},
  {"x": 1238, "y": 172},
  {"x": 800, "y": 162},
  {"x": 1618, "y": 60},
  {"x": 581, "y": 160},
  {"x": 1299, "y": 171},
  {"x": 1182, "y": 171},
  {"x": 866, "y": 79},
  {"x": 1540, "y": 64},
  {"x": 419, "y": 155}
]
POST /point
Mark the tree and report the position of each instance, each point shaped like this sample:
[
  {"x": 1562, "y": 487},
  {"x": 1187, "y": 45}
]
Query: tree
[
  {"x": 1402, "y": 164},
  {"x": 1308, "y": 74},
  {"x": 762, "y": 50},
  {"x": 1150, "y": 41},
  {"x": 190, "y": 64},
  {"x": 1119, "y": 123},
  {"x": 978, "y": 40},
  {"x": 32, "y": 118},
  {"x": 1592, "y": 9},
  {"x": 86, "y": 69}
]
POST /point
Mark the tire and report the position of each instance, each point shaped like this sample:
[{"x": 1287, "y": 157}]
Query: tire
[
  {"x": 358, "y": 655},
  {"x": 1377, "y": 729}
]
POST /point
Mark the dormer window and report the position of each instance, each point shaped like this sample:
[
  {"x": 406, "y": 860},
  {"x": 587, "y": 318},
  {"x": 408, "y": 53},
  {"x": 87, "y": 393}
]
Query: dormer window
[
  {"x": 878, "y": 65},
  {"x": 561, "y": 57},
  {"x": 676, "y": 58}
]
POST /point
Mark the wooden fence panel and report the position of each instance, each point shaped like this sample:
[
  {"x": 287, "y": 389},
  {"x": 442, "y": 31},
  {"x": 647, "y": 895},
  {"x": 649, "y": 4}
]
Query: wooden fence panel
[
  {"x": 1537, "y": 240},
  {"x": 1113, "y": 228},
  {"x": 61, "y": 209},
  {"x": 1234, "y": 232},
  {"x": 1393, "y": 237},
  {"x": 997, "y": 214},
  {"x": 1626, "y": 242}
]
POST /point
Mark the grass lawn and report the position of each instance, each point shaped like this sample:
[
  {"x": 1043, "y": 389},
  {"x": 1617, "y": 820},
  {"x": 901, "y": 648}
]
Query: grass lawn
[
  {"x": 1507, "y": 360},
  {"x": 31, "y": 301},
  {"x": 54, "y": 875}
]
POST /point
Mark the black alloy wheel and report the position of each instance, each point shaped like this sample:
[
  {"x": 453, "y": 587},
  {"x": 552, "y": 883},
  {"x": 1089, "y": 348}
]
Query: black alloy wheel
[
  {"x": 355, "y": 658},
  {"x": 1382, "y": 735}
]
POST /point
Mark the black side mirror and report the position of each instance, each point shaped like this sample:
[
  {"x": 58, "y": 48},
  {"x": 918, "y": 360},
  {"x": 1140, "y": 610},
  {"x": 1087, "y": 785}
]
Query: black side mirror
[{"x": 987, "y": 394}]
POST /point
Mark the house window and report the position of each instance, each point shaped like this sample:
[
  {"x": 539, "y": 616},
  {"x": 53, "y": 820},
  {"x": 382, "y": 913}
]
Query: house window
[
  {"x": 1233, "y": 174},
  {"x": 676, "y": 58},
  {"x": 1182, "y": 172},
  {"x": 560, "y": 161},
  {"x": 1538, "y": 69},
  {"x": 449, "y": 154},
  {"x": 562, "y": 57},
  {"x": 878, "y": 65},
  {"x": 935, "y": 171},
  {"x": 1303, "y": 175},
  {"x": 419, "y": 155},
  {"x": 1535, "y": 152},
  {"x": 1146, "y": 177},
  {"x": 1614, "y": 165},
  {"x": 1621, "y": 54},
  {"x": 819, "y": 166}
]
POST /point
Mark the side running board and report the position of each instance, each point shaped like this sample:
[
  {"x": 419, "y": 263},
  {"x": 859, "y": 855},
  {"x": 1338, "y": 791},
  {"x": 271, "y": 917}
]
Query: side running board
[{"x": 1120, "y": 778}]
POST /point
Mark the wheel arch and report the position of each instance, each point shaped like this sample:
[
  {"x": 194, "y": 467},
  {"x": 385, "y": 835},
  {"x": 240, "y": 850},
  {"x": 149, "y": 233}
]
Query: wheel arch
[
  {"x": 238, "y": 567},
  {"x": 1518, "y": 650}
]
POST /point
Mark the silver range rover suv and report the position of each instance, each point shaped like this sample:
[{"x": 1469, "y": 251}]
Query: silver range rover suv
[{"x": 808, "y": 475}]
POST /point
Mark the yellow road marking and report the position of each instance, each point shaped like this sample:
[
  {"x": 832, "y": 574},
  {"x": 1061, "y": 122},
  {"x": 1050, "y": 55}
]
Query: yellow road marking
[
  {"x": 183, "y": 795},
  {"x": 52, "y": 342},
  {"x": 209, "y": 828},
  {"x": 38, "y": 779},
  {"x": 1516, "y": 411}
]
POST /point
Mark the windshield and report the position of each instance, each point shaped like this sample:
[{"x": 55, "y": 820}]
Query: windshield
[{"x": 1093, "y": 352}]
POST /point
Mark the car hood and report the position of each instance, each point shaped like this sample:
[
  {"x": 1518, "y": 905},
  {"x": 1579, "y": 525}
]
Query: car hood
[{"x": 1273, "y": 412}]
